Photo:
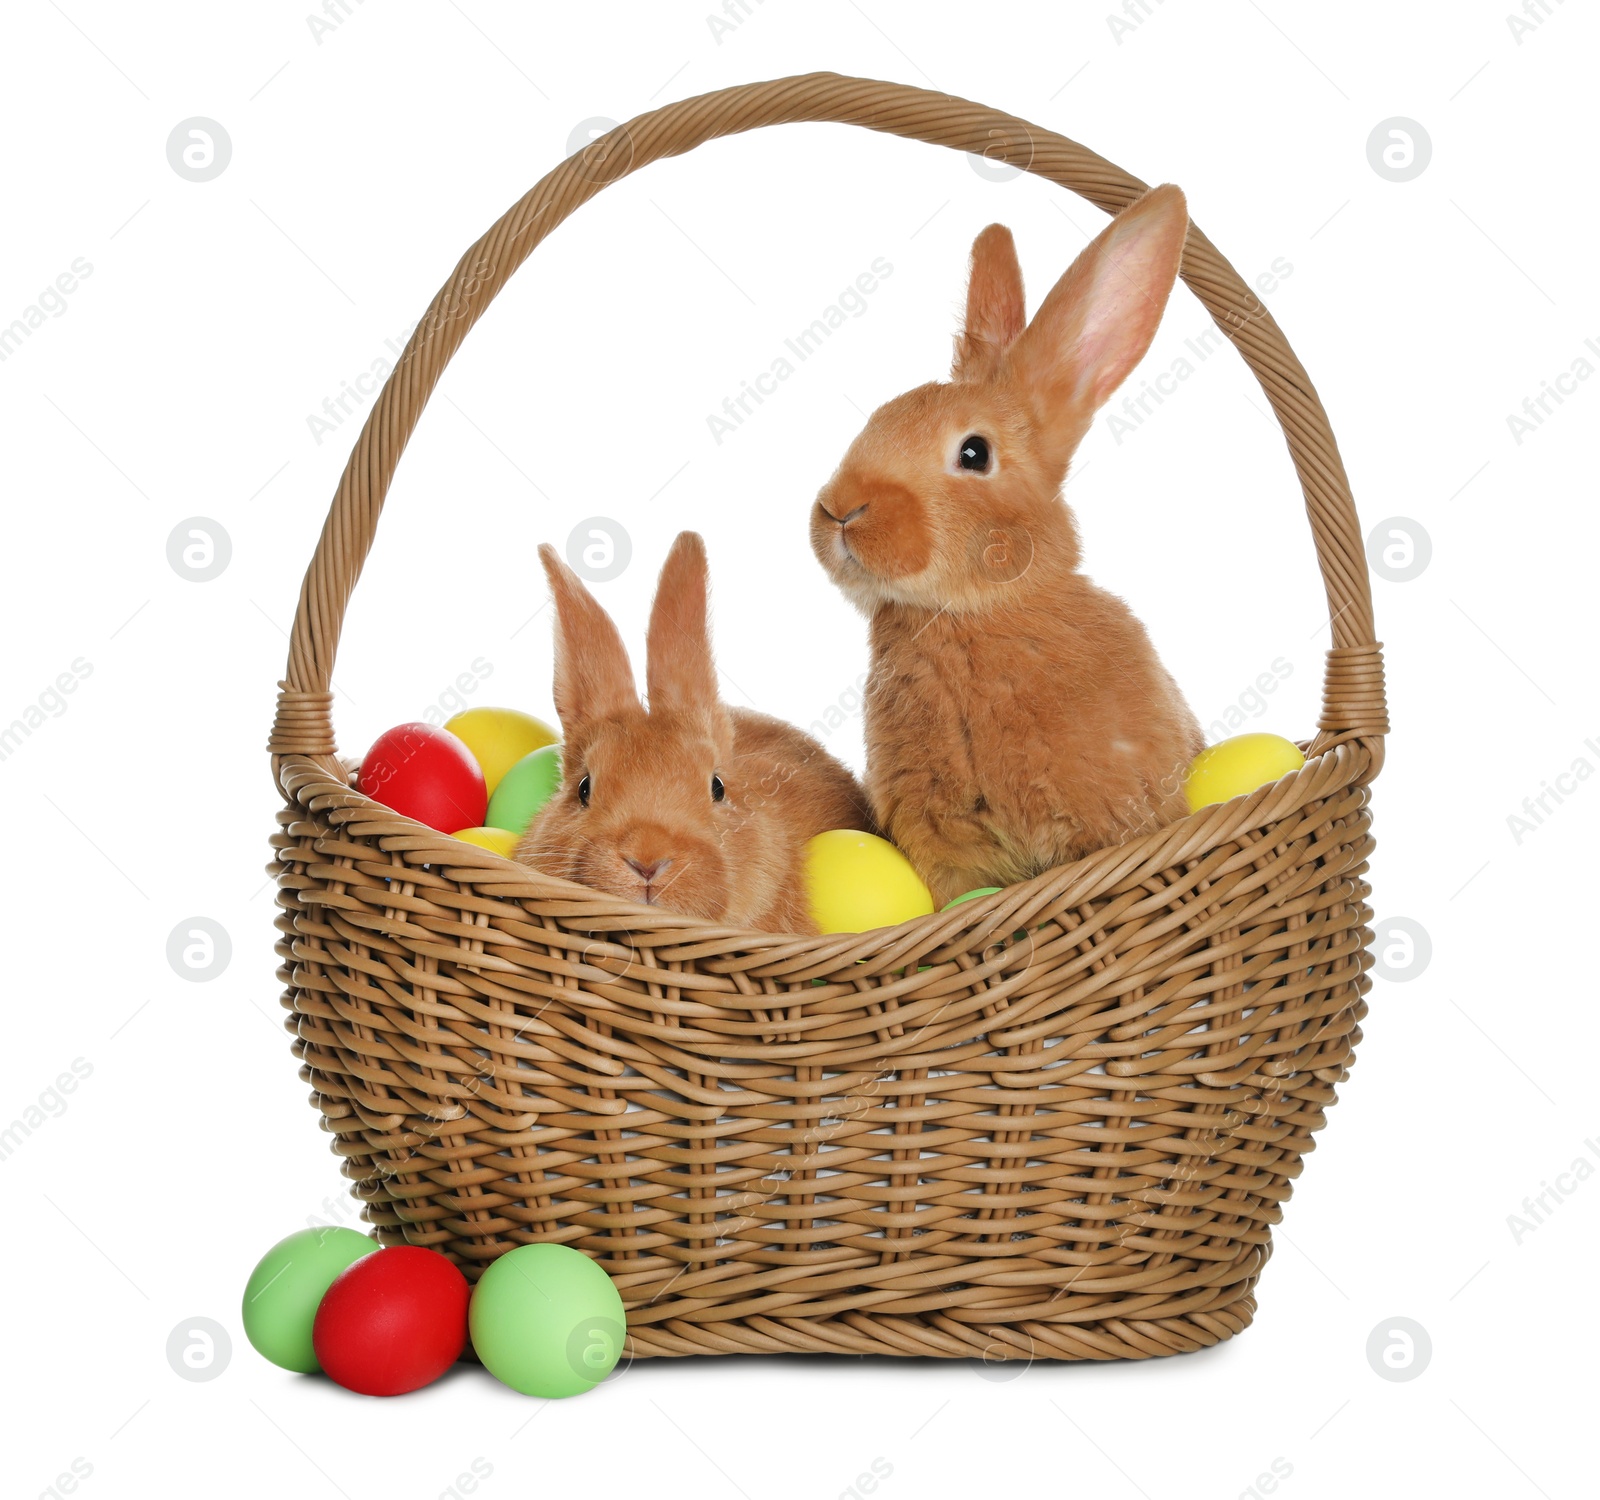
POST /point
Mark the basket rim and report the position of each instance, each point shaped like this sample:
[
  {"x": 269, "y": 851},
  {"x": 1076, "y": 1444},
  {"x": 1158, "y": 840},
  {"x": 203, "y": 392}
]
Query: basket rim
[{"x": 1101, "y": 872}]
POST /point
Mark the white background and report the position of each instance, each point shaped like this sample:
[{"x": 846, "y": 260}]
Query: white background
[{"x": 177, "y": 380}]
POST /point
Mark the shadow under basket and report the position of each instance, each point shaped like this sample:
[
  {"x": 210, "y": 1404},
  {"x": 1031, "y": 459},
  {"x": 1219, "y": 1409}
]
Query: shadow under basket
[{"x": 1058, "y": 1122}]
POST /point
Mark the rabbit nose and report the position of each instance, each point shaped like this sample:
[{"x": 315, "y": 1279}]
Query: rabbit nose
[
  {"x": 860, "y": 510},
  {"x": 648, "y": 869}
]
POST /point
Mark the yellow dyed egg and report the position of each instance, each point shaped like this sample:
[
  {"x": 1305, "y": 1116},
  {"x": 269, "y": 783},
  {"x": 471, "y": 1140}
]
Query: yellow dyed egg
[
  {"x": 1232, "y": 768},
  {"x": 499, "y": 737},
  {"x": 496, "y": 840},
  {"x": 856, "y": 881}
]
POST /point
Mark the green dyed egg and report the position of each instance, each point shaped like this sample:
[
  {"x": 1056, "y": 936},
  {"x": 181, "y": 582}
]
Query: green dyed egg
[
  {"x": 284, "y": 1290},
  {"x": 547, "y": 1321},
  {"x": 983, "y": 890},
  {"x": 524, "y": 789}
]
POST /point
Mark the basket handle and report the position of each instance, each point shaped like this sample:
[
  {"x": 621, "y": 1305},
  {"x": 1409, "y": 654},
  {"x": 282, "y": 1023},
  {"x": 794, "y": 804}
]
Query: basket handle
[{"x": 1353, "y": 691}]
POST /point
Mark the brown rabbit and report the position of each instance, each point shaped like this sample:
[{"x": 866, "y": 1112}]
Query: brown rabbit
[
  {"x": 1017, "y": 716},
  {"x": 691, "y": 805}
]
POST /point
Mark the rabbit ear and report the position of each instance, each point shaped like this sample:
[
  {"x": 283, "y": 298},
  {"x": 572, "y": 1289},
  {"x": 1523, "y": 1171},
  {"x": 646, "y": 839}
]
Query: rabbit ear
[
  {"x": 1099, "y": 319},
  {"x": 996, "y": 312},
  {"x": 680, "y": 673},
  {"x": 592, "y": 676}
]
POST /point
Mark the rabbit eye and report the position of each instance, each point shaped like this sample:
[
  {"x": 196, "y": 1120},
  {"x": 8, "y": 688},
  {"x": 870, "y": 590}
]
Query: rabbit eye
[
  {"x": 718, "y": 790},
  {"x": 583, "y": 792},
  {"x": 974, "y": 454}
]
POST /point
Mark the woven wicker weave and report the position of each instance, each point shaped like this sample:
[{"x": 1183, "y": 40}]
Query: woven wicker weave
[{"x": 1058, "y": 1122}]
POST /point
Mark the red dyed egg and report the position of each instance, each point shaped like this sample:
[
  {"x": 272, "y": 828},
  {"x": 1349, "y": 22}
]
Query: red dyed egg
[
  {"x": 427, "y": 774},
  {"x": 392, "y": 1322}
]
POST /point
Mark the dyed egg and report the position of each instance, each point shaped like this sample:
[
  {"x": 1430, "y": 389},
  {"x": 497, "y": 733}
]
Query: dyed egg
[
  {"x": 1232, "y": 768},
  {"x": 497, "y": 840},
  {"x": 393, "y": 1322},
  {"x": 524, "y": 789},
  {"x": 427, "y": 774},
  {"x": 547, "y": 1321},
  {"x": 499, "y": 737},
  {"x": 281, "y": 1297},
  {"x": 857, "y": 881},
  {"x": 983, "y": 890}
]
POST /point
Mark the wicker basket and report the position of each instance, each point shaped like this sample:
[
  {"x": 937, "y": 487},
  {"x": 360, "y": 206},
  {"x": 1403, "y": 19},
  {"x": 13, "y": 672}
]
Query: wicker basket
[{"x": 1057, "y": 1122}]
